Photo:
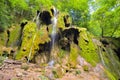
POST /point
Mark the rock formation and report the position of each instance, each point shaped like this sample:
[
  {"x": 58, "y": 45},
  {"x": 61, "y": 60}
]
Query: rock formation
[{"x": 52, "y": 38}]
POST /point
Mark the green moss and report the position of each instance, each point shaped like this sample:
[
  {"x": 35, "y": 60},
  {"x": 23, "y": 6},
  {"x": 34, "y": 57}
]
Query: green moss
[
  {"x": 31, "y": 39},
  {"x": 60, "y": 22},
  {"x": 73, "y": 55},
  {"x": 58, "y": 72},
  {"x": 61, "y": 54},
  {"x": 88, "y": 50},
  {"x": 1, "y": 60},
  {"x": 28, "y": 35},
  {"x": 24, "y": 66},
  {"x": 110, "y": 75},
  {"x": 77, "y": 72},
  {"x": 55, "y": 73},
  {"x": 3, "y": 38},
  {"x": 111, "y": 63},
  {"x": 14, "y": 35},
  {"x": 85, "y": 68}
]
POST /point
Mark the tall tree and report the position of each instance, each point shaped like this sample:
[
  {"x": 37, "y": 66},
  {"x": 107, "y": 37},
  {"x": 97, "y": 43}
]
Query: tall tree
[
  {"x": 78, "y": 9},
  {"x": 106, "y": 17}
]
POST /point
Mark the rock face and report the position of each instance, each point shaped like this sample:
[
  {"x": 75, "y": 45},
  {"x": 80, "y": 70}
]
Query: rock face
[
  {"x": 38, "y": 41},
  {"x": 52, "y": 39}
]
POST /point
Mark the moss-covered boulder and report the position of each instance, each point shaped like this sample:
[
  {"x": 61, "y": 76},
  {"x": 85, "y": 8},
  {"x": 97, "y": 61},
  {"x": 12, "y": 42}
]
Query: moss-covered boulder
[
  {"x": 74, "y": 52},
  {"x": 12, "y": 36},
  {"x": 79, "y": 42},
  {"x": 64, "y": 20},
  {"x": 8, "y": 40},
  {"x": 88, "y": 49},
  {"x": 3, "y": 38},
  {"x": 31, "y": 39}
]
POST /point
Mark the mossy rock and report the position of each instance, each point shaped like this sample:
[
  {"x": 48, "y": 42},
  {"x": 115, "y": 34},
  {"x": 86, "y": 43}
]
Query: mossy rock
[
  {"x": 88, "y": 49},
  {"x": 110, "y": 75},
  {"x": 31, "y": 39},
  {"x": 3, "y": 38},
  {"x": 60, "y": 21},
  {"x": 14, "y": 35},
  {"x": 58, "y": 72},
  {"x": 85, "y": 68},
  {"x": 111, "y": 63},
  {"x": 74, "y": 52}
]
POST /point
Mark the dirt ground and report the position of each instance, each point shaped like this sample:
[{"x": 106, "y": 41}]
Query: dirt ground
[{"x": 15, "y": 70}]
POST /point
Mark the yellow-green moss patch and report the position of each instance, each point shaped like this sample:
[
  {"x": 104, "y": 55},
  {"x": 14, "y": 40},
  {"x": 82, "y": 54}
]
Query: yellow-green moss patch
[
  {"x": 31, "y": 40},
  {"x": 60, "y": 21},
  {"x": 14, "y": 35},
  {"x": 73, "y": 55},
  {"x": 88, "y": 50}
]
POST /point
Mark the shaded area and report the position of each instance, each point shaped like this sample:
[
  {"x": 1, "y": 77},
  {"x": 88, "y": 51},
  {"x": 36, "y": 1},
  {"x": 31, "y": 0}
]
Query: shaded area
[
  {"x": 45, "y": 17},
  {"x": 66, "y": 20},
  {"x": 68, "y": 36},
  {"x": 22, "y": 25},
  {"x": 1, "y": 30},
  {"x": 71, "y": 34},
  {"x": 112, "y": 43}
]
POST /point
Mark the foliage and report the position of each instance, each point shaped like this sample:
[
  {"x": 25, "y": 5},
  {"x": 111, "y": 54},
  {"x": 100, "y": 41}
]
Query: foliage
[
  {"x": 77, "y": 9},
  {"x": 3, "y": 37},
  {"x": 103, "y": 21},
  {"x": 4, "y": 15},
  {"x": 101, "y": 17},
  {"x": 12, "y": 10},
  {"x": 105, "y": 18}
]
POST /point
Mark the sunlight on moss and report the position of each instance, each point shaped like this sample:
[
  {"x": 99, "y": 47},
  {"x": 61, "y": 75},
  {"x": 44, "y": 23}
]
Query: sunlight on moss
[
  {"x": 88, "y": 50},
  {"x": 112, "y": 68},
  {"x": 14, "y": 35},
  {"x": 109, "y": 75},
  {"x": 73, "y": 55},
  {"x": 3, "y": 38},
  {"x": 31, "y": 39},
  {"x": 61, "y": 53},
  {"x": 61, "y": 23}
]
